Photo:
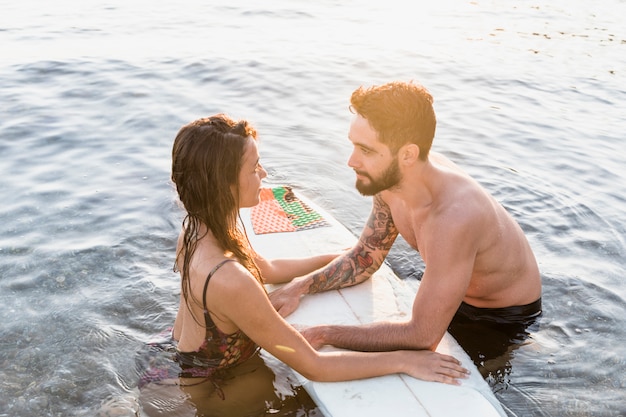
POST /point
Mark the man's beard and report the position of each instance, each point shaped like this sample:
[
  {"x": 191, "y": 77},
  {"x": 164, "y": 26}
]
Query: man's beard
[{"x": 390, "y": 178}]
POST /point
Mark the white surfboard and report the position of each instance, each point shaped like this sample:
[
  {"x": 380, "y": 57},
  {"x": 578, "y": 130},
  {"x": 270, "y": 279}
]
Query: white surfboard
[{"x": 383, "y": 297}]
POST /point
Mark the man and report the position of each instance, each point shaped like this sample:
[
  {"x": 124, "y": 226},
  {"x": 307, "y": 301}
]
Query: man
[{"x": 479, "y": 266}]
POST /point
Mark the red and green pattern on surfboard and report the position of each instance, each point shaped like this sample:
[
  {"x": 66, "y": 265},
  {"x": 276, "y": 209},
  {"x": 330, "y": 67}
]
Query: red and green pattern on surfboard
[{"x": 280, "y": 210}]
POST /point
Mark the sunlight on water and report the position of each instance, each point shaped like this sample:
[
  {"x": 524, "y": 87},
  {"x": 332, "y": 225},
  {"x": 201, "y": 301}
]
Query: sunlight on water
[{"x": 529, "y": 99}]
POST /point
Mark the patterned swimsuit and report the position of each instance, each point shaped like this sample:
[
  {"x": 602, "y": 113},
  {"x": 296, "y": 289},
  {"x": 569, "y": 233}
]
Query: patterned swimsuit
[{"x": 219, "y": 351}]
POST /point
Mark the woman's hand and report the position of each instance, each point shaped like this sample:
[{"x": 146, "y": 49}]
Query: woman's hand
[
  {"x": 287, "y": 298},
  {"x": 313, "y": 335},
  {"x": 433, "y": 366}
]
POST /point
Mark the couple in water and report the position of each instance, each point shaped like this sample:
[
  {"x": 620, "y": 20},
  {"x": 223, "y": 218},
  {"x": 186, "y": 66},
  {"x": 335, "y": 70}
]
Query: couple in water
[{"x": 480, "y": 269}]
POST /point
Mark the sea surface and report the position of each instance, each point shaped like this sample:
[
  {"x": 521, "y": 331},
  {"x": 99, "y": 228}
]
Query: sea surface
[{"x": 530, "y": 98}]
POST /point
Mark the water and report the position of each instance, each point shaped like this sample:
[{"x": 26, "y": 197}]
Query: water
[{"x": 529, "y": 98}]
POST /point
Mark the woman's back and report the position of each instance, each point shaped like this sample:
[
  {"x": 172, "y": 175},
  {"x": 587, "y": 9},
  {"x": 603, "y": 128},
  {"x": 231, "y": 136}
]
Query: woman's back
[{"x": 218, "y": 349}]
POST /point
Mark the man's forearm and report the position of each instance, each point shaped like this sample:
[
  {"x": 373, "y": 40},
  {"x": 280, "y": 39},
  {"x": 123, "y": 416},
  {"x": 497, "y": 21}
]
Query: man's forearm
[
  {"x": 358, "y": 264},
  {"x": 354, "y": 267},
  {"x": 374, "y": 337},
  {"x": 351, "y": 268}
]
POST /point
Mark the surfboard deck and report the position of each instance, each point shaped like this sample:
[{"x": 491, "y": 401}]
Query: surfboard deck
[{"x": 382, "y": 297}]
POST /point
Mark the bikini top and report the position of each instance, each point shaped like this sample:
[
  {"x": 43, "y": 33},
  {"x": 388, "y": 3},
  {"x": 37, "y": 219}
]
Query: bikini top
[{"x": 218, "y": 350}]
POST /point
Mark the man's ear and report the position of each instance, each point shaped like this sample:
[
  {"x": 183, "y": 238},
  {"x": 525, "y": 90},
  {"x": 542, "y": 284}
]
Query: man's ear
[{"x": 409, "y": 154}]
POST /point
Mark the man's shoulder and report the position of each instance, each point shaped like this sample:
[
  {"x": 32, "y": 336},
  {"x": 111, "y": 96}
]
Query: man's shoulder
[
  {"x": 440, "y": 159},
  {"x": 460, "y": 207}
]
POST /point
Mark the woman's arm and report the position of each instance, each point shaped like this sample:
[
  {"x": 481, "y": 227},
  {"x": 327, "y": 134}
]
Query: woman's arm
[
  {"x": 239, "y": 300},
  {"x": 276, "y": 271}
]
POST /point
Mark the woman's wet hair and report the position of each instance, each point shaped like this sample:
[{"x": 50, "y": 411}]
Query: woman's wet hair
[{"x": 207, "y": 156}]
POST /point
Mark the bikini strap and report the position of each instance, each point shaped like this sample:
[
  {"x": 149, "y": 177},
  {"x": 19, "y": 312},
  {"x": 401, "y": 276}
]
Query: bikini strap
[{"x": 206, "y": 284}]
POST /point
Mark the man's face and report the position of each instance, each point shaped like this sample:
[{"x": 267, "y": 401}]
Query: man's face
[{"x": 375, "y": 166}]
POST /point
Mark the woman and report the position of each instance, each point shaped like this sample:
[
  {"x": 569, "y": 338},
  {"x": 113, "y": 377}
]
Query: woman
[{"x": 225, "y": 314}]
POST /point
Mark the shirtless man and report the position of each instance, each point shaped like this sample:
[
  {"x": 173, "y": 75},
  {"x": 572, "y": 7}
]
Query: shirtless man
[{"x": 479, "y": 265}]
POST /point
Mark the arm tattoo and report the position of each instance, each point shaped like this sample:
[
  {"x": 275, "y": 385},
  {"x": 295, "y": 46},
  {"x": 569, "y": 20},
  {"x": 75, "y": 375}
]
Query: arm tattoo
[
  {"x": 383, "y": 229},
  {"x": 378, "y": 235}
]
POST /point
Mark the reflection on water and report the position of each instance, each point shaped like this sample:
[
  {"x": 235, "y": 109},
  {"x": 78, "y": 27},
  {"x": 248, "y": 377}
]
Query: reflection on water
[{"x": 529, "y": 100}]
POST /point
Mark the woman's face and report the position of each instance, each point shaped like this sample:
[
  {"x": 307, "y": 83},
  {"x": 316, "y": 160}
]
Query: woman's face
[{"x": 250, "y": 175}]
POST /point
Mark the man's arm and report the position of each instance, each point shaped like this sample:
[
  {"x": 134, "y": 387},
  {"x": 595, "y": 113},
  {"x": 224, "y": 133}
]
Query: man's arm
[
  {"x": 353, "y": 267},
  {"x": 372, "y": 337},
  {"x": 449, "y": 251}
]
